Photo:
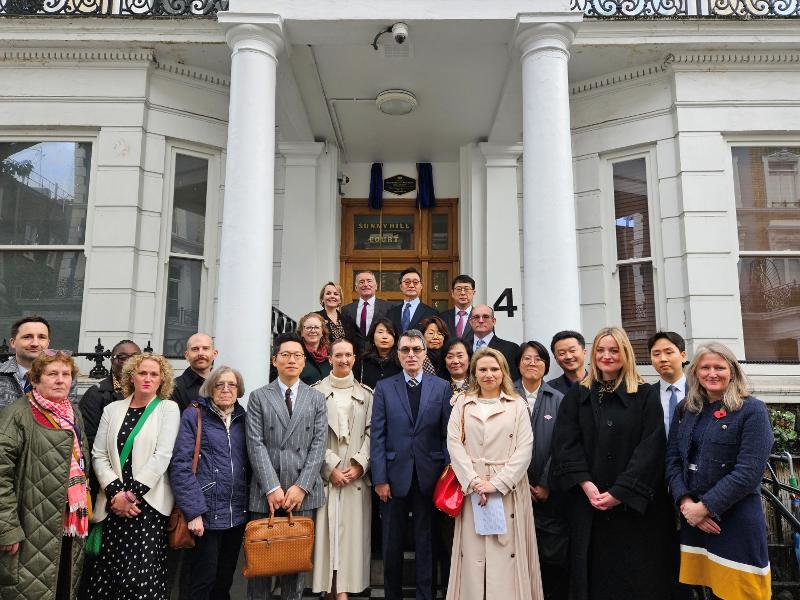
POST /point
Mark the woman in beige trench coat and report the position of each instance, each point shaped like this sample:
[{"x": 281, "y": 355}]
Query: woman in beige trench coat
[
  {"x": 493, "y": 458},
  {"x": 342, "y": 524}
]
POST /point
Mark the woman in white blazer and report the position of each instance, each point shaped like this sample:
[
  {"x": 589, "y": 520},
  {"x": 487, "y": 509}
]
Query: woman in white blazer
[{"x": 135, "y": 498}]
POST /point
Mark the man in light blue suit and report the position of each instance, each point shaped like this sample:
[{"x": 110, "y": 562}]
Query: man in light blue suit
[
  {"x": 287, "y": 427},
  {"x": 407, "y": 454}
]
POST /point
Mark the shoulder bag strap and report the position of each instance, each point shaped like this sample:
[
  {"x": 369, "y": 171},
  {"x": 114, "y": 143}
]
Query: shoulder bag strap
[
  {"x": 128, "y": 447},
  {"x": 197, "y": 438}
]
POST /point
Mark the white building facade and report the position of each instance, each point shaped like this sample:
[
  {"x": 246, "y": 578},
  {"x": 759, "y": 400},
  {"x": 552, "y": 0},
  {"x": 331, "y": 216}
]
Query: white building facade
[{"x": 160, "y": 176}]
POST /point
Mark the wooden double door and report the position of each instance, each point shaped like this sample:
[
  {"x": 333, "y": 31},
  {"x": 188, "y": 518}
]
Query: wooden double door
[{"x": 397, "y": 237}]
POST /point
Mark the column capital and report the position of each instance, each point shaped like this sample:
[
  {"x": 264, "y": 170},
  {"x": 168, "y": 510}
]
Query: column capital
[
  {"x": 501, "y": 155},
  {"x": 263, "y": 34},
  {"x": 298, "y": 154},
  {"x": 546, "y": 31}
]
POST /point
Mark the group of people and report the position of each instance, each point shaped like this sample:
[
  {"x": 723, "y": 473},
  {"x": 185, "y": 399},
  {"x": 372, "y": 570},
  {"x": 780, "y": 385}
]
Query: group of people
[{"x": 592, "y": 485}]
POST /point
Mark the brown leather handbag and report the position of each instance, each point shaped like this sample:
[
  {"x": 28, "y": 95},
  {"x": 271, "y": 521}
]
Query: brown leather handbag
[
  {"x": 278, "y": 546},
  {"x": 178, "y": 535}
]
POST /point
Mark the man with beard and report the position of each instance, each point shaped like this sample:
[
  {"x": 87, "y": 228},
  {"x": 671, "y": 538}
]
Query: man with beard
[{"x": 200, "y": 353}]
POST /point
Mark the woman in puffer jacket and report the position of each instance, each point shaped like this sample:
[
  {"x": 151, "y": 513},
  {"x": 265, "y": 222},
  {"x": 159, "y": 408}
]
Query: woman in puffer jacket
[{"x": 214, "y": 498}]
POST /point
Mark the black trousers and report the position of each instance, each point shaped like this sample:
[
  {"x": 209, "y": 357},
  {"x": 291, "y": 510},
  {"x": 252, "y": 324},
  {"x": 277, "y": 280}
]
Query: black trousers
[
  {"x": 394, "y": 522},
  {"x": 213, "y": 563},
  {"x": 64, "y": 580}
]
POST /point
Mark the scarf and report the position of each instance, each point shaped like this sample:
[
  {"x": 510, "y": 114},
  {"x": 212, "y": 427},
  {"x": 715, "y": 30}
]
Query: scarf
[
  {"x": 76, "y": 518},
  {"x": 320, "y": 355}
]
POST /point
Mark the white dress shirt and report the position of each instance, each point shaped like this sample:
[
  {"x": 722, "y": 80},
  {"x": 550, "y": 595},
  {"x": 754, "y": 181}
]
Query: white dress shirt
[
  {"x": 666, "y": 393},
  {"x": 283, "y": 387},
  {"x": 370, "y": 311}
]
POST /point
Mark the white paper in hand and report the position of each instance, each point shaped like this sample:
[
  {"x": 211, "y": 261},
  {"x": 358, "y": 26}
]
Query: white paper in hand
[{"x": 489, "y": 519}]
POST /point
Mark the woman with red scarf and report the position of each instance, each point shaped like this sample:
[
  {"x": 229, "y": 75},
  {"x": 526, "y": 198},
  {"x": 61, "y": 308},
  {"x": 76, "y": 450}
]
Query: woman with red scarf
[
  {"x": 44, "y": 511},
  {"x": 314, "y": 333}
]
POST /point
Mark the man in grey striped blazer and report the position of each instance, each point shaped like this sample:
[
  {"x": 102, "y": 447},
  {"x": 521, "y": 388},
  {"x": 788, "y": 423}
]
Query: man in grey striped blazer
[{"x": 287, "y": 427}]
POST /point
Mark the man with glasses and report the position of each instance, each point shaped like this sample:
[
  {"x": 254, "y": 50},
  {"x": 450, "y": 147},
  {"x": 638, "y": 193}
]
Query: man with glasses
[
  {"x": 412, "y": 310},
  {"x": 366, "y": 308},
  {"x": 482, "y": 336},
  {"x": 408, "y": 452},
  {"x": 200, "y": 353},
  {"x": 287, "y": 427},
  {"x": 462, "y": 291},
  {"x": 30, "y": 336}
]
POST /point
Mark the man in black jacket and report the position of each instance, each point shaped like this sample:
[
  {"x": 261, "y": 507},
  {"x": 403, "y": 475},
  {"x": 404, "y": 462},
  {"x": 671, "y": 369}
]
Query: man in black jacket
[
  {"x": 412, "y": 310},
  {"x": 200, "y": 353},
  {"x": 367, "y": 308},
  {"x": 462, "y": 291},
  {"x": 482, "y": 336}
]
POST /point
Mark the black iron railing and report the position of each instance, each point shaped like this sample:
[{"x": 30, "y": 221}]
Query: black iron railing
[
  {"x": 113, "y": 8},
  {"x": 281, "y": 323},
  {"x": 731, "y": 9}
]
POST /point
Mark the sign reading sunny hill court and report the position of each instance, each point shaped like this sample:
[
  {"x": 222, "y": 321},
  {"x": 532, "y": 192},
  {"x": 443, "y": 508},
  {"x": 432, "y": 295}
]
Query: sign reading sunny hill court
[
  {"x": 391, "y": 232},
  {"x": 399, "y": 184}
]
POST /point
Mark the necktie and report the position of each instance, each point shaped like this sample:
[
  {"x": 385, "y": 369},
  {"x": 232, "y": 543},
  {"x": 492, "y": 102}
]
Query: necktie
[
  {"x": 405, "y": 322},
  {"x": 460, "y": 325},
  {"x": 27, "y": 387},
  {"x": 673, "y": 402},
  {"x": 363, "y": 324},
  {"x": 479, "y": 344},
  {"x": 289, "y": 401},
  {"x": 412, "y": 382}
]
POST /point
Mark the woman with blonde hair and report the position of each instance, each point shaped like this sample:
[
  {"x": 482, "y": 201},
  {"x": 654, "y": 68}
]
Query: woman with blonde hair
[
  {"x": 489, "y": 439},
  {"x": 131, "y": 454},
  {"x": 340, "y": 326},
  {"x": 608, "y": 459},
  {"x": 718, "y": 447}
]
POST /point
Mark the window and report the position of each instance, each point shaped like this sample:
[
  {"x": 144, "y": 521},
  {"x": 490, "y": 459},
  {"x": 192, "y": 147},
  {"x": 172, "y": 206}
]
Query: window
[
  {"x": 634, "y": 255},
  {"x": 767, "y": 192},
  {"x": 187, "y": 247},
  {"x": 44, "y": 192}
]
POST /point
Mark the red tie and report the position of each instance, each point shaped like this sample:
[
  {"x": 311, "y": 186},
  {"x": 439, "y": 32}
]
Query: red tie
[
  {"x": 364, "y": 318},
  {"x": 460, "y": 324}
]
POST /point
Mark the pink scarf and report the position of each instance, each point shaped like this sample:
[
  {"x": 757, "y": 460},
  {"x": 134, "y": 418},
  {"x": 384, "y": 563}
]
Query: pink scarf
[{"x": 76, "y": 519}]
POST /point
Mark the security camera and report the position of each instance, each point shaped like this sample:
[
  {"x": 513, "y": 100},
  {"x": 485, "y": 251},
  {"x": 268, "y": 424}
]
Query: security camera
[{"x": 400, "y": 32}]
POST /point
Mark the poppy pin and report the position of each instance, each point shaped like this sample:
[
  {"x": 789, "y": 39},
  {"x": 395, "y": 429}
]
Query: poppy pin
[{"x": 720, "y": 414}]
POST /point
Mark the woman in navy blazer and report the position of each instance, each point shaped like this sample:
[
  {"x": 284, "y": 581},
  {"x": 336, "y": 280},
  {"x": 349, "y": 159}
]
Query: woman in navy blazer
[{"x": 719, "y": 444}]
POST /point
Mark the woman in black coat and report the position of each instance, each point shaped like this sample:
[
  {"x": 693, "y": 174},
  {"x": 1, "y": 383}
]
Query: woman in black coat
[
  {"x": 608, "y": 457},
  {"x": 380, "y": 359}
]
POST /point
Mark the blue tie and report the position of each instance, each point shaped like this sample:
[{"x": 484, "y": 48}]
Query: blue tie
[
  {"x": 27, "y": 387},
  {"x": 405, "y": 322},
  {"x": 479, "y": 344},
  {"x": 673, "y": 402}
]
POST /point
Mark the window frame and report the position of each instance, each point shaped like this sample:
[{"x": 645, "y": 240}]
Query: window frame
[
  {"x": 210, "y": 258},
  {"x": 745, "y": 141},
  {"x": 613, "y": 262},
  {"x": 78, "y": 136}
]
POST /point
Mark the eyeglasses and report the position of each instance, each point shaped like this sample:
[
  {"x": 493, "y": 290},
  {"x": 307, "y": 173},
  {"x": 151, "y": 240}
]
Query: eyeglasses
[
  {"x": 49, "y": 352},
  {"x": 288, "y": 355},
  {"x": 411, "y": 350},
  {"x": 124, "y": 357},
  {"x": 532, "y": 360},
  {"x": 411, "y": 282},
  {"x": 434, "y": 334},
  {"x": 312, "y": 328},
  {"x": 462, "y": 289},
  {"x": 481, "y": 317},
  {"x": 224, "y": 385}
]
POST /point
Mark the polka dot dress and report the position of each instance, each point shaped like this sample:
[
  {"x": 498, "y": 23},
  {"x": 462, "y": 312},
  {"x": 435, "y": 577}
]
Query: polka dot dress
[{"x": 132, "y": 561}]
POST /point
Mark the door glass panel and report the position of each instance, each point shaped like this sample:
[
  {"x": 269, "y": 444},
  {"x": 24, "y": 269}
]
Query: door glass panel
[
  {"x": 392, "y": 232},
  {"x": 440, "y": 281},
  {"x": 189, "y": 207},
  {"x": 440, "y": 305},
  {"x": 183, "y": 304},
  {"x": 389, "y": 281},
  {"x": 440, "y": 231}
]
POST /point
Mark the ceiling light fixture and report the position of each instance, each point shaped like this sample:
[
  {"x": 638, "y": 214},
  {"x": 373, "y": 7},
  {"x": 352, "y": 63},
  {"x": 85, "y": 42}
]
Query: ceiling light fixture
[{"x": 396, "y": 102}]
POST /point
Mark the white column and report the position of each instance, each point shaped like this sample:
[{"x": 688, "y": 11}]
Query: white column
[
  {"x": 300, "y": 246},
  {"x": 502, "y": 237},
  {"x": 551, "y": 293},
  {"x": 243, "y": 319}
]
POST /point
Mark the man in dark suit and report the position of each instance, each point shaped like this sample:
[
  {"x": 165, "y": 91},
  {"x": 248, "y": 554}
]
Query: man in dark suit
[
  {"x": 287, "y": 427},
  {"x": 366, "y": 308},
  {"x": 407, "y": 455},
  {"x": 569, "y": 350},
  {"x": 457, "y": 319},
  {"x": 200, "y": 354},
  {"x": 483, "y": 321},
  {"x": 408, "y": 315}
]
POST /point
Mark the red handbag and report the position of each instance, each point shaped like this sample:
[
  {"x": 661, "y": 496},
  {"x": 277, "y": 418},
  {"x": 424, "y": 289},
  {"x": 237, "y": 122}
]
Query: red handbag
[{"x": 447, "y": 495}]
